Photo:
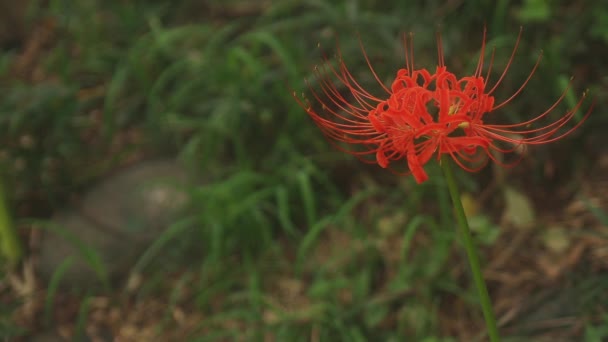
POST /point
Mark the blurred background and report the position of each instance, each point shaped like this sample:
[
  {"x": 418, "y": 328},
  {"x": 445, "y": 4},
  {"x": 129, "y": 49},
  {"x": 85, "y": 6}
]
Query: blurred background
[{"x": 160, "y": 182}]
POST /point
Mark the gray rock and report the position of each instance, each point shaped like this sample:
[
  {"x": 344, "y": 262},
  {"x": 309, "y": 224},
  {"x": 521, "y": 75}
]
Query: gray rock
[{"x": 116, "y": 220}]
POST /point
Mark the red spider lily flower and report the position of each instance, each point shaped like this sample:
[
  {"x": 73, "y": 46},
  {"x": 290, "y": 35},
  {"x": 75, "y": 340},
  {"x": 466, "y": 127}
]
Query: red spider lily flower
[{"x": 426, "y": 114}]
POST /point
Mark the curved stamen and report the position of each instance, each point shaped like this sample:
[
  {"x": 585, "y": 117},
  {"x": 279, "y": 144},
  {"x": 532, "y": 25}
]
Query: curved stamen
[
  {"x": 504, "y": 72},
  {"x": 522, "y": 86}
]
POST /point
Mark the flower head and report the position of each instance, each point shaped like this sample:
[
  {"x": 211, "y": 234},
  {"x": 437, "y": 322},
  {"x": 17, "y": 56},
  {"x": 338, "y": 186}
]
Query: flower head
[{"x": 424, "y": 115}]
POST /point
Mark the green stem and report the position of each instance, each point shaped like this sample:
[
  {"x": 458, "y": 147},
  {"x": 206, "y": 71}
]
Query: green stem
[
  {"x": 472, "y": 254},
  {"x": 10, "y": 248}
]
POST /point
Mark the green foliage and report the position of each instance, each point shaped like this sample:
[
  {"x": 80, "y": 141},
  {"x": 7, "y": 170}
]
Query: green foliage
[
  {"x": 597, "y": 333},
  {"x": 368, "y": 255},
  {"x": 535, "y": 10}
]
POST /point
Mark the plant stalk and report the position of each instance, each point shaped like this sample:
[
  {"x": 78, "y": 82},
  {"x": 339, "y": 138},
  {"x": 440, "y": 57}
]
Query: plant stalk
[
  {"x": 10, "y": 247},
  {"x": 472, "y": 254}
]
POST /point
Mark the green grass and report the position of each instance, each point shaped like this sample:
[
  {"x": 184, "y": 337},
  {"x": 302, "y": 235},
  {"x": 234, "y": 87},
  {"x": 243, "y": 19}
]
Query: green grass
[{"x": 286, "y": 237}]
